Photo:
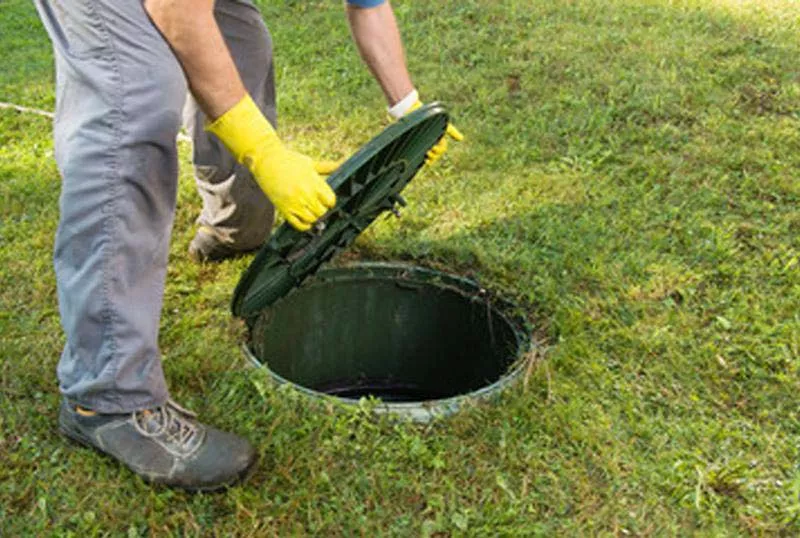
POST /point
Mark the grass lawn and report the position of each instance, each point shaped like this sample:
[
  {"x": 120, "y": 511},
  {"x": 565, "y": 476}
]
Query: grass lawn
[{"x": 630, "y": 173}]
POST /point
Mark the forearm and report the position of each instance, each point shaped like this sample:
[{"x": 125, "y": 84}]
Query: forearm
[
  {"x": 191, "y": 30},
  {"x": 378, "y": 40}
]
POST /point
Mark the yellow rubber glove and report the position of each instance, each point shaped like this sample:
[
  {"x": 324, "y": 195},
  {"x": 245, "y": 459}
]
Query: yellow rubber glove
[
  {"x": 410, "y": 103},
  {"x": 289, "y": 179},
  {"x": 326, "y": 168}
]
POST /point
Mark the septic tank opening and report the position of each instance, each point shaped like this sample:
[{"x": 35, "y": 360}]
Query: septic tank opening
[{"x": 405, "y": 335}]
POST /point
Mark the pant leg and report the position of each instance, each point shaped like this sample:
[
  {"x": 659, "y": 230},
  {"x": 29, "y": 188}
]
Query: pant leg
[
  {"x": 234, "y": 207},
  {"x": 119, "y": 96}
]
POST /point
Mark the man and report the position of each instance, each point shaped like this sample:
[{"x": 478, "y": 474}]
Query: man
[{"x": 122, "y": 71}]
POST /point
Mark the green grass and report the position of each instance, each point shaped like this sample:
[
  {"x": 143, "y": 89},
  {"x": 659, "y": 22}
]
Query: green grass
[{"x": 630, "y": 173}]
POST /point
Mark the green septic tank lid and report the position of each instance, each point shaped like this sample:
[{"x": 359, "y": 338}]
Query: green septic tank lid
[{"x": 366, "y": 185}]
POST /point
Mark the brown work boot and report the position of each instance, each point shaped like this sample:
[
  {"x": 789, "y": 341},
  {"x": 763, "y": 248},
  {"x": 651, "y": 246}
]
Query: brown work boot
[{"x": 163, "y": 445}]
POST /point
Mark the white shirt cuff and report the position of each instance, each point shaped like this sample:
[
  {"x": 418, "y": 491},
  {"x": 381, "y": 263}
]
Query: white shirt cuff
[{"x": 400, "y": 108}]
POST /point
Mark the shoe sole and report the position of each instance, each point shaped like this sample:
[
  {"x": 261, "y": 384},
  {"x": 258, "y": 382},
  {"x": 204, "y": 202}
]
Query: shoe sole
[{"x": 241, "y": 477}]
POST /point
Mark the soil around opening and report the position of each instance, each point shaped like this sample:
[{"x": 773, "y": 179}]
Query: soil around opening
[{"x": 406, "y": 335}]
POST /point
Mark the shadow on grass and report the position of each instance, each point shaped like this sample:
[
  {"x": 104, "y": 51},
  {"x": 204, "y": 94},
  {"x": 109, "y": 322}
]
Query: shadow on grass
[{"x": 553, "y": 257}]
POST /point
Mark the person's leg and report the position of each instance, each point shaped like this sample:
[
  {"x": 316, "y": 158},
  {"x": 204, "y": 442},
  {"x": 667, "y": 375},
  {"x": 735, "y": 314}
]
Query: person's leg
[
  {"x": 236, "y": 216},
  {"x": 119, "y": 96}
]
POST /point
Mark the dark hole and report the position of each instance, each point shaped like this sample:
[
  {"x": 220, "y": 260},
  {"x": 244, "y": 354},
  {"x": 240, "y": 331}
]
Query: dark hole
[
  {"x": 385, "y": 389},
  {"x": 396, "y": 339}
]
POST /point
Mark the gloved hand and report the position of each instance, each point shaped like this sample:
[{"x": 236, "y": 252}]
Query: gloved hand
[
  {"x": 289, "y": 179},
  {"x": 410, "y": 103},
  {"x": 326, "y": 168}
]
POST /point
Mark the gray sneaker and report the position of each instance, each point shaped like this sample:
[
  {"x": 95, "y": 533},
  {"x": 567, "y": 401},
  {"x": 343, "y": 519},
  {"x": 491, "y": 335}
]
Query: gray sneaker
[
  {"x": 163, "y": 445},
  {"x": 207, "y": 247}
]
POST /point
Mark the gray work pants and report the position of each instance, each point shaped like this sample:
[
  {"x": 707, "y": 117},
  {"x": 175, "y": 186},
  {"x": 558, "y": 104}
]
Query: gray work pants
[{"x": 120, "y": 98}]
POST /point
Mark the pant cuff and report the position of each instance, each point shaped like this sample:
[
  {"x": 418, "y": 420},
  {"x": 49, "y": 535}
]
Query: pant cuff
[{"x": 116, "y": 404}]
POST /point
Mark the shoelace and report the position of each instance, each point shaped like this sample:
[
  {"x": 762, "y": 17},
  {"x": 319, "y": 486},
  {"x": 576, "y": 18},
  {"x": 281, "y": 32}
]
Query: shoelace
[{"x": 169, "y": 421}]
